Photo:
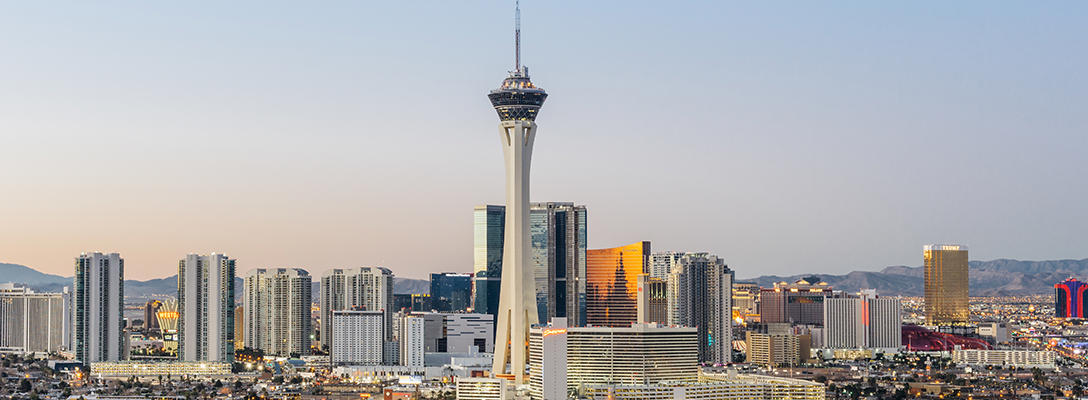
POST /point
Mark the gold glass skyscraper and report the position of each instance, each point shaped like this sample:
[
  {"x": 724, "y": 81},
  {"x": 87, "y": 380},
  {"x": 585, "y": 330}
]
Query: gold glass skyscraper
[
  {"x": 612, "y": 282},
  {"x": 946, "y": 284}
]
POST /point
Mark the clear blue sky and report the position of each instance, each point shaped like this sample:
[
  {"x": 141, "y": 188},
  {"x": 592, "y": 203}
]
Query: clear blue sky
[{"x": 785, "y": 137}]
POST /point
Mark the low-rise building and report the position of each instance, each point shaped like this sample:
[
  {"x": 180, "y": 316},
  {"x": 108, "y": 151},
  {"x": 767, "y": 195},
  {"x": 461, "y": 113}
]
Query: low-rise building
[
  {"x": 774, "y": 350},
  {"x": 712, "y": 387},
  {"x": 1016, "y": 358},
  {"x": 485, "y": 389},
  {"x": 123, "y": 369}
]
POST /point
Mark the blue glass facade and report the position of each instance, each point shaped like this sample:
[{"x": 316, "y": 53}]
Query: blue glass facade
[
  {"x": 559, "y": 252},
  {"x": 489, "y": 226},
  {"x": 558, "y": 236},
  {"x": 451, "y": 292}
]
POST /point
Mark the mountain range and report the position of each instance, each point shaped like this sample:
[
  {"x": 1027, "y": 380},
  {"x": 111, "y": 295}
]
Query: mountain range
[
  {"x": 986, "y": 278},
  {"x": 134, "y": 289}
]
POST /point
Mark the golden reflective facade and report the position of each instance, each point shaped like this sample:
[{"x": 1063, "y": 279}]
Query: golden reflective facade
[
  {"x": 612, "y": 284},
  {"x": 946, "y": 284}
]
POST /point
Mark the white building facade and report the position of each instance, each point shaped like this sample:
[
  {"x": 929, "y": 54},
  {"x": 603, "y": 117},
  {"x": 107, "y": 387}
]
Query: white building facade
[
  {"x": 206, "y": 308},
  {"x": 33, "y": 322},
  {"x": 412, "y": 340},
  {"x": 1014, "y": 358},
  {"x": 369, "y": 288},
  {"x": 98, "y": 296},
  {"x": 360, "y": 337},
  {"x": 548, "y": 361},
  {"x": 642, "y": 354},
  {"x": 863, "y": 321},
  {"x": 277, "y": 311}
]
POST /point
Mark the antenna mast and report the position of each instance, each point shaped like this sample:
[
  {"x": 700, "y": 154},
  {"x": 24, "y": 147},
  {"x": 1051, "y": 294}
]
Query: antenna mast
[{"x": 517, "y": 35}]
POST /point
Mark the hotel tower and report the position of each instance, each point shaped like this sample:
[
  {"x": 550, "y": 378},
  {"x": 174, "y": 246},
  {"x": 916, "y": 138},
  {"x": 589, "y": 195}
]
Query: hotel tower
[
  {"x": 946, "y": 273},
  {"x": 517, "y": 102}
]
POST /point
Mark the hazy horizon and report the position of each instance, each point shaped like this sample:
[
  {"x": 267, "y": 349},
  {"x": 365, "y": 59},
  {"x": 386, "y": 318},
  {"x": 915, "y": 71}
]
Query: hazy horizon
[
  {"x": 783, "y": 137},
  {"x": 317, "y": 277}
]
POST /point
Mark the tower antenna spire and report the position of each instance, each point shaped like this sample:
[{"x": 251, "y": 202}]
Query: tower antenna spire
[{"x": 517, "y": 35}]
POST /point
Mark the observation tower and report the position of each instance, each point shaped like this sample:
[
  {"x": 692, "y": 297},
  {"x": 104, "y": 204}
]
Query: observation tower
[{"x": 517, "y": 102}]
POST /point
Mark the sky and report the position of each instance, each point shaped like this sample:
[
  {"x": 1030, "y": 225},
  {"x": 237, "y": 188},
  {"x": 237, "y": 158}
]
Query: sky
[{"x": 785, "y": 137}]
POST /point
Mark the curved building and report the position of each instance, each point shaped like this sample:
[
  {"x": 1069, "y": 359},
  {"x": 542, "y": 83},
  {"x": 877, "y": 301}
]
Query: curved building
[
  {"x": 612, "y": 284},
  {"x": 1070, "y": 296}
]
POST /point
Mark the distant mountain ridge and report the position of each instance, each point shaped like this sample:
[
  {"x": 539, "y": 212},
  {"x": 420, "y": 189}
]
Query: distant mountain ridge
[
  {"x": 42, "y": 282},
  {"x": 23, "y": 274},
  {"x": 1000, "y": 277}
]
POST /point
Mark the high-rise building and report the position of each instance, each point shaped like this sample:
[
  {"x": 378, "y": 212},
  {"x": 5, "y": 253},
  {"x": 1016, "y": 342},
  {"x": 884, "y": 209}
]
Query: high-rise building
[
  {"x": 411, "y": 302},
  {"x": 663, "y": 262},
  {"x": 653, "y": 300},
  {"x": 800, "y": 302},
  {"x": 641, "y": 354},
  {"x": 33, "y": 322},
  {"x": 885, "y": 322},
  {"x": 946, "y": 284},
  {"x": 239, "y": 328},
  {"x": 611, "y": 284},
  {"x": 151, "y": 320},
  {"x": 277, "y": 305},
  {"x": 558, "y": 233},
  {"x": 700, "y": 295},
  {"x": 360, "y": 337},
  {"x": 97, "y": 308},
  {"x": 488, "y": 225},
  {"x": 412, "y": 339},
  {"x": 517, "y": 103},
  {"x": 548, "y": 361},
  {"x": 843, "y": 328},
  {"x": 559, "y": 260},
  {"x": 369, "y": 288},
  {"x": 206, "y": 308},
  {"x": 745, "y": 300},
  {"x": 451, "y": 292},
  {"x": 777, "y": 349},
  {"x": 1070, "y": 297},
  {"x": 862, "y": 321}
]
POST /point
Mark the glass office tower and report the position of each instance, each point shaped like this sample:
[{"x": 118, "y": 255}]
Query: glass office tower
[
  {"x": 451, "y": 292},
  {"x": 558, "y": 236},
  {"x": 946, "y": 284},
  {"x": 558, "y": 232},
  {"x": 488, "y": 229},
  {"x": 612, "y": 284}
]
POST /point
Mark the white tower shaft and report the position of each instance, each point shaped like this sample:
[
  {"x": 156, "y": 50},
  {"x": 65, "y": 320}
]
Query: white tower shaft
[{"x": 517, "y": 296}]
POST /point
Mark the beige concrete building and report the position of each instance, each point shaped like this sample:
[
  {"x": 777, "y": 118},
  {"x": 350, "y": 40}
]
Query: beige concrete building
[{"x": 774, "y": 350}]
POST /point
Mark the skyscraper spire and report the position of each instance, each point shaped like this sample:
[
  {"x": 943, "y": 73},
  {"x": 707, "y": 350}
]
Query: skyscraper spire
[{"x": 517, "y": 35}]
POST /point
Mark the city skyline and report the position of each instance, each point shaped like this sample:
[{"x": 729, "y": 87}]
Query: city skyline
[{"x": 893, "y": 129}]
